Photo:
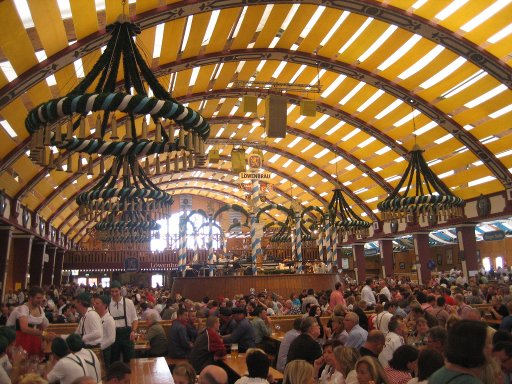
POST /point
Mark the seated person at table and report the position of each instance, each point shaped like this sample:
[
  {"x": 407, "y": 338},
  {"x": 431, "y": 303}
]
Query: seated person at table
[
  {"x": 211, "y": 374},
  {"x": 262, "y": 329},
  {"x": 285, "y": 344},
  {"x": 305, "y": 347},
  {"x": 208, "y": 346},
  {"x": 356, "y": 334},
  {"x": 227, "y": 323},
  {"x": 92, "y": 363},
  {"x": 257, "y": 365},
  {"x": 299, "y": 372},
  {"x": 64, "y": 367},
  {"x": 184, "y": 373},
  {"x": 179, "y": 342},
  {"x": 155, "y": 336},
  {"x": 118, "y": 373},
  {"x": 243, "y": 334}
]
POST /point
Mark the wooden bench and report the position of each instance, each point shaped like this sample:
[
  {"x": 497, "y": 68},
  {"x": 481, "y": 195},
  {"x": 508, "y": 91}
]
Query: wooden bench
[{"x": 172, "y": 362}]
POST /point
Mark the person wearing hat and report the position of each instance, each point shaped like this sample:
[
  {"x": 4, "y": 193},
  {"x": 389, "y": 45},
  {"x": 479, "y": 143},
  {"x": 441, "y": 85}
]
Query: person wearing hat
[
  {"x": 89, "y": 326},
  {"x": 227, "y": 323},
  {"x": 92, "y": 363},
  {"x": 64, "y": 367},
  {"x": 100, "y": 304},
  {"x": 243, "y": 334},
  {"x": 125, "y": 316}
]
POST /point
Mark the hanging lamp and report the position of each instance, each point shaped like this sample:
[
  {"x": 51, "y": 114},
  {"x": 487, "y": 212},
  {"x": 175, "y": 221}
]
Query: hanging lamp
[{"x": 344, "y": 219}]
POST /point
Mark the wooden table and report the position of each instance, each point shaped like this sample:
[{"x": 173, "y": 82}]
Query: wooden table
[
  {"x": 239, "y": 366},
  {"x": 150, "y": 371}
]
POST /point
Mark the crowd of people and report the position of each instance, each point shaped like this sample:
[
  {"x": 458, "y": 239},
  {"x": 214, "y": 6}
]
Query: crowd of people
[{"x": 382, "y": 331}]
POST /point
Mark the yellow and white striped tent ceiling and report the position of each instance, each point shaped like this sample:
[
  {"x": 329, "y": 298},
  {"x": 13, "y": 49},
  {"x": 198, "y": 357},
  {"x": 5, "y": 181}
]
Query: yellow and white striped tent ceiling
[{"x": 392, "y": 73}]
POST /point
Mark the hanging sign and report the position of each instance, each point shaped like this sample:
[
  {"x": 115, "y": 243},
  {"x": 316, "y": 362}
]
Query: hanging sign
[
  {"x": 494, "y": 235},
  {"x": 131, "y": 264},
  {"x": 254, "y": 176},
  {"x": 255, "y": 160}
]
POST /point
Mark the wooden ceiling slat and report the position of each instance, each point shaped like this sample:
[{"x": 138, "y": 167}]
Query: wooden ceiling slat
[
  {"x": 173, "y": 32},
  {"x": 113, "y": 8},
  {"x": 203, "y": 79},
  {"x": 248, "y": 27},
  {"x": 198, "y": 29},
  {"x": 320, "y": 29},
  {"x": 85, "y": 19},
  {"x": 464, "y": 14},
  {"x": 365, "y": 41},
  {"x": 182, "y": 81},
  {"x": 16, "y": 45},
  {"x": 272, "y": 25},
  {"x": 146, "y": 44},
  {"x": 66, "y": 79},
  {"x": 145, "y": 5},
  {"x": 225, "y": 22},
  {"x": 299, "y": 21},
  {"x": 49, "y": 25}
]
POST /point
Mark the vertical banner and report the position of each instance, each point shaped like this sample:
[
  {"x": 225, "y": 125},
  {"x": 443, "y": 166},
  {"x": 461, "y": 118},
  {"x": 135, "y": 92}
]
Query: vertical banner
[
  {"x": 182, "y": 258},
  {"x": 256, "y": 228},
  {"x": 210, "y": 244},
  {"x": 298, "y": 240}
]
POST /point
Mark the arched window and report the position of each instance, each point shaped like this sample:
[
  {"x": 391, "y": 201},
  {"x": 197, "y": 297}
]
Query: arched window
[
  {"x": 486, "y": 263},
  {"x": 499, "y": 262},
  {"x": 197, "y": 231}
]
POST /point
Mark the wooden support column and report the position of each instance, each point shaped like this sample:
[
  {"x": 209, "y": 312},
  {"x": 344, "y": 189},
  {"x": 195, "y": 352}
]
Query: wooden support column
[
  {"x": 5, "y": 250},
  {"x": 467, "y": 248},
  {"x": 421, "y": 250},
  {"x": 57, "y": 270},
  {"x": 49, "y": 266},
  {"x": 20, "y": 259},
  {"x": 359, "y": 263},
  {"x": 386, "y": 257},
  {"x": 37, "y": 263}
]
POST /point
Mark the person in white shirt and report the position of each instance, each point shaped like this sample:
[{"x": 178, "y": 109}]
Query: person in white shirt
[
  {"x": 394, "y": 339},
  {"x": 64, "y": 367},
  {"x": 382, "y": 319},
  {"x": 92, "y": 363},
  {"x": 109, "y": 326},
  {"x": 384, "y": 290},
  {"x": 125, "y": 316},
  {"x": 367, "y": 293},
  {"x": 89, "y": 326}
]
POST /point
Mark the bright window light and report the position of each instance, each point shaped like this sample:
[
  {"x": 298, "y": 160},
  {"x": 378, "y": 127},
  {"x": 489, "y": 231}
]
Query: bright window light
[
  {"x": 425, "y": 128},
  {"x": 399, "y": 159},
  {"x": 51, "y": 81},
  {"x": 378, "y": 43},
  {"x": 361, "y": 190},
  {"x": 392, "y": 178},
  {"x": 264, "y": 17},
  {"x": 334, "y": 85},
  {"x": 478, "y": 163},
  {"x": 443, "y": 139},
  {"x": 486, "y": 96},
  {"x": 311, "y": 145},
  {"x": 406, "y": 118},
  {"x": 24, "y": 12},
  {"x": 489, "y": 12},
  {"x": 233, "y": 110},
  {"x": 322, "y": 153},
  {"x": 274, "y": 158},
  {"x": 79, "y": 68},
  {"x": 350, "y": 167},
  {"x": 313, "y": 173},
  {"x": 221, "y": 131},
  {"x": 188, "y": 25},
  {"x": 289, "y": 17},
  {"x": 489, "y": 139},
  {"x": 418, "y": 4},
  {"x": 373, "y": 199},
  {"x": 298, "y": 73},
  {"x": 383, "y": 150},
  {"x": 279, "y": 69},
  {"x": 482, "y": 180},
  {"x": 356, "y": 35},
  {"x": 309, "y": 26},
  {"x": 500, "y": 34},
  {"x": 7, "y": 127},
  {"x": 503, "y": 154},
  {"x": 316, "y": 79},
  {"x": 389, "y": 108},
  {"x": 399, "y": 53},
  {"x": 421, "y": 63},
  {"x": 285, "y": 165},
  {"x": 159, "y": 37},
  {"x": 366, "y": 142},
  {"x": 335, "y": 27},
  {"x": 335, "y": 128},
  {"x": 335, "y": 160},
  {"x": 446, "y": 174},
  {"x": 351, "y": 134},
  {"x": 291, "y": 108},
  {"x": 370, "y": 100},
  {"x": 352, "y": 93},
  {"x": 294, "y": 142},
  {"x": 211, "y": 27},
  {"x": 299, "y": 168},
  {"x": 299, "y": 120},
  {"x": 240, "y": 21},
  {"x": 319, "y": 122},
  {"x": 323, "y": 194},
  {"x": 377, "y": 169},
  {"x": 193, "y": 77},
  {"x": 443, "y": 73},
  {"x": 8, "y": 70},
  {"x": 454, "y": 5},
  {"x": 486, "y": 261},
  {"x": 499, "y": 262},
  {"x": 464, "y": 84},
  {"x": 501, "y": 112}
]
